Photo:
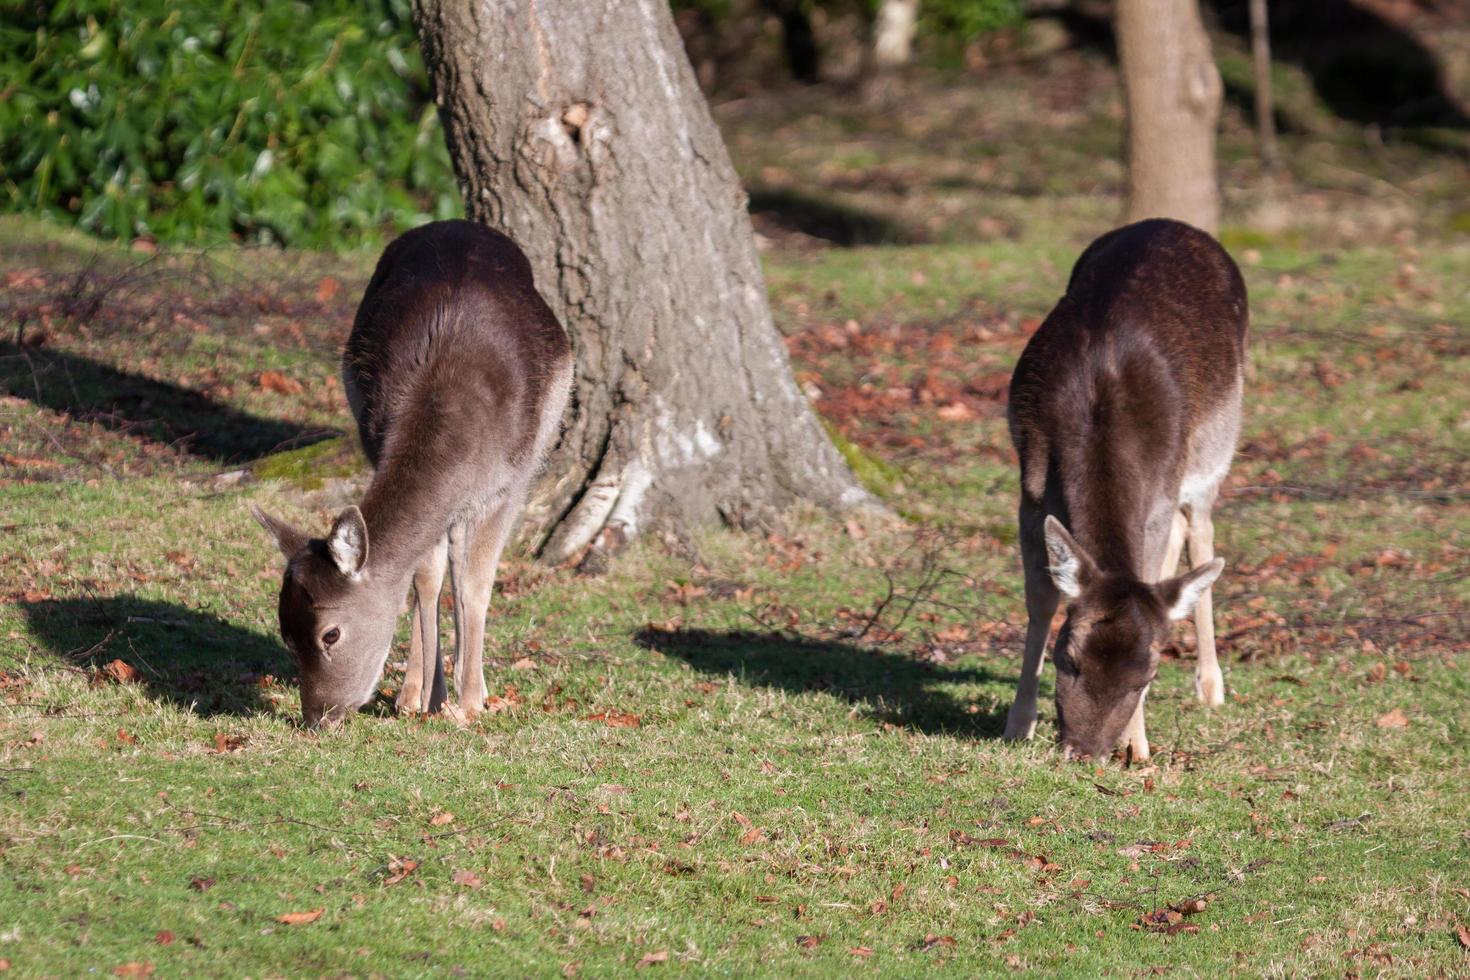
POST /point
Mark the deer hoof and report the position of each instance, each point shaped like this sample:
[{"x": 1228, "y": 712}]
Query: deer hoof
[
  {"x": 1211, "y": 690},
  {"x": 409, "y": 701},
  {"x": 1019, "y": 727}
]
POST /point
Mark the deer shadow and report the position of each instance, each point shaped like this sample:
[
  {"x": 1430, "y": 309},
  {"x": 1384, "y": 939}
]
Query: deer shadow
[
  {"x": 887, "y": 687},
  {"x": 144, "y": 408},
  {"x": 191, "y": 658}
]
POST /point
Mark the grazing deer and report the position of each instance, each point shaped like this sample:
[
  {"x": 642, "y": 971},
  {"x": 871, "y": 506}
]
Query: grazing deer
[
  {"x": 1124, "y": 411},
  {"x": 457, "y": 374}
]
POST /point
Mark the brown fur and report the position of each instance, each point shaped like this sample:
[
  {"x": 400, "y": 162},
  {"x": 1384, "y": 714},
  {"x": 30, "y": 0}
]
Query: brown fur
[
  {"x": 1123, "y": 410},
  {"x": 457, "y": 373}
]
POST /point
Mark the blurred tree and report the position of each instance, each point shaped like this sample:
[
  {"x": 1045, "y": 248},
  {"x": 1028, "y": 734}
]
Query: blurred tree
[
  {"x": 893, "y": 33},
  {"x": 579, "y": 130},
  {"x": 1261, "y": 62},
  {"x": 797, "y": 37},
  {"x": 1173, "y": 94}
]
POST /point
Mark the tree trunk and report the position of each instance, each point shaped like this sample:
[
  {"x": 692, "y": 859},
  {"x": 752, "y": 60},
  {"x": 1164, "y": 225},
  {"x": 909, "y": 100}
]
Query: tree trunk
[
  {"x": 1265, "y": 108},
  {"x": 893, "y": 34},
  {"x": 1173, "y": 94},
  {"x": 797, "y": 39},
  {"x": 578, "y": 130}
]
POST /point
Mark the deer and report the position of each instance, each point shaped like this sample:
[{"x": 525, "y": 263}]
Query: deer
[
  {"x": 1124, "y": 412},
  {"x": 457, "y": 374}
]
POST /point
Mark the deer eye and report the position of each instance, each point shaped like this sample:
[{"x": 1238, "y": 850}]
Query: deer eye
[{"x": 331, "y": 636}]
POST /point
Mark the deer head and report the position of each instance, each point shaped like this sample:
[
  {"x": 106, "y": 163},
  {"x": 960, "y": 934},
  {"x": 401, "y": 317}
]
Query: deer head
[
  {"x": 1108, "y": 649},
  {"x": 337, "y": 621}
]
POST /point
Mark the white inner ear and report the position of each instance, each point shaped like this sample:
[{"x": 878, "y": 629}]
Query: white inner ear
[
  {"x": 1193, "y": 586},
  {"x": 1065, "y": 568},
  {"x": 346, "y": 548}
]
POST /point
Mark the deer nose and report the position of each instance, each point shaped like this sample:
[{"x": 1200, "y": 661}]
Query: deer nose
[{"x": 321, "y": 716}]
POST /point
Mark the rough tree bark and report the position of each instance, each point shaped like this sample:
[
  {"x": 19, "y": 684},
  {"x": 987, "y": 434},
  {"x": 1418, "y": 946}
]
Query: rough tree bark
[
  {"x": 1173, "y": 94},
  {"x": 577, "y": 128}
]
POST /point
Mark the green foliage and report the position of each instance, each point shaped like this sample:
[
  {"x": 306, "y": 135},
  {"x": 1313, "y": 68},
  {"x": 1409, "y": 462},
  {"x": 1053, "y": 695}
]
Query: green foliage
[
  {"x": 285, "y": 122},
  {"x": 965, "y": 20}
]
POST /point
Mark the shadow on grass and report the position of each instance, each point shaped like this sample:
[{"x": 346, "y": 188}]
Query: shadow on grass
[
  {"x": 888, "y": 687},
  {"x": 831, "y": 221},
  {"x": 187, "y": 657},
  {"x": 1364, "y": 67},
  {"x": 143, "y": 408}
]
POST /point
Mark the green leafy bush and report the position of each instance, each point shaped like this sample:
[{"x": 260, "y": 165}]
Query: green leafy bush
[
  {"x": 290, "y": 122},
  {"x": 965, "y": 20}
]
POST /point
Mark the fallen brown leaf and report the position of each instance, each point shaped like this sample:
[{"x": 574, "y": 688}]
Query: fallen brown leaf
[
  {"x": 135, "y": 969},
  {"x": 120, "y": 673},
  {"x": 398, "y": 869},
  {"x": 809, "y": 942},
  {"x": 614, "y": 718},
  {"x": 649, "y": 959},
  {"x": 441, "y": 818},
  {"x": 163, "y": 937},
  {"x": 1394, "y": 719},
  {"x": 931, "y": 941},
  {"x": 277, "y": 382},
  {"x": 299, "y": 918},
  {"x": 225, "y": 744},
  {"x": 1463, "y": 935},
  {"x": 326, "y": 289},
  {"x": 863, "y": 952},
  {"x": 467, "y": 879}
]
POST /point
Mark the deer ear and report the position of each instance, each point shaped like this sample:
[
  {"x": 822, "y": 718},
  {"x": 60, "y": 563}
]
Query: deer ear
[
  {"x": 347, "y": 542},
  {"x": 289, "y": 538},
  {"x": 1071, "y": 568},
  {"x": 1180, "y": 594}
]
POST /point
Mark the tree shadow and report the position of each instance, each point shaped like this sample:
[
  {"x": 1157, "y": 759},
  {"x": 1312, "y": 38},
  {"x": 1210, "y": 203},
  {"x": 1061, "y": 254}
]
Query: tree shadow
[
  {"x": 888, "y": 687},
  {"x": 1365, "y": 68},
  {"x": 144, "y": 408},
  {"x": 191, "y": 658},
  {"x": 831, "y": 221}
]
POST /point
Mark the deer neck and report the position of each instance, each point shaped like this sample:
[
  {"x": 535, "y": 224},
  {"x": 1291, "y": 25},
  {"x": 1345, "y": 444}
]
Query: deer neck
[
  {"x": 408, "y": 508},
  {"x": 1110, "y": 507}
]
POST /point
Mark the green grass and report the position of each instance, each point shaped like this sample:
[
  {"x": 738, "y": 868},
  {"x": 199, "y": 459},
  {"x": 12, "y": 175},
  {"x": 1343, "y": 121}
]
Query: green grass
[
  {"x": 815, "y": 782},
  {"x": 807, "y": 764}
]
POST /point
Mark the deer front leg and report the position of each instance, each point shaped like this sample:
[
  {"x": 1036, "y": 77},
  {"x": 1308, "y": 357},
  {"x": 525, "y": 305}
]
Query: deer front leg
[
  {"x": 1041, "y": 605},
  {"x": 425, "y": 671},
  {"x": 1175, "y": 545},
  {"x": 475, "y": 554},
  {"x": 1135, "y": 739},
  {"x": 1209, "y": 684}
]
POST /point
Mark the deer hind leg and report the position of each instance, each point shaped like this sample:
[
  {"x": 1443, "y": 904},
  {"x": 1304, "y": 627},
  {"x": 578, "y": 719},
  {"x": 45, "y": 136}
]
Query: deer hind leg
[
  {"x": 1209, "y": 684},
  {"x": 425, "y": 671},
  {"x": 474, "y": 554},
  {"x": 1041, "y": 605}
]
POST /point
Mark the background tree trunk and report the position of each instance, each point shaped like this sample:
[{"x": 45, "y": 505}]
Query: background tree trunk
[
  {"x": 1265, "y": 105},
  {"x": 798, "y": 39},
  {"x": 893, "y": 34},
  {"x": 1173, "y": 94},
  {"x": 578, "y": 130}
]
